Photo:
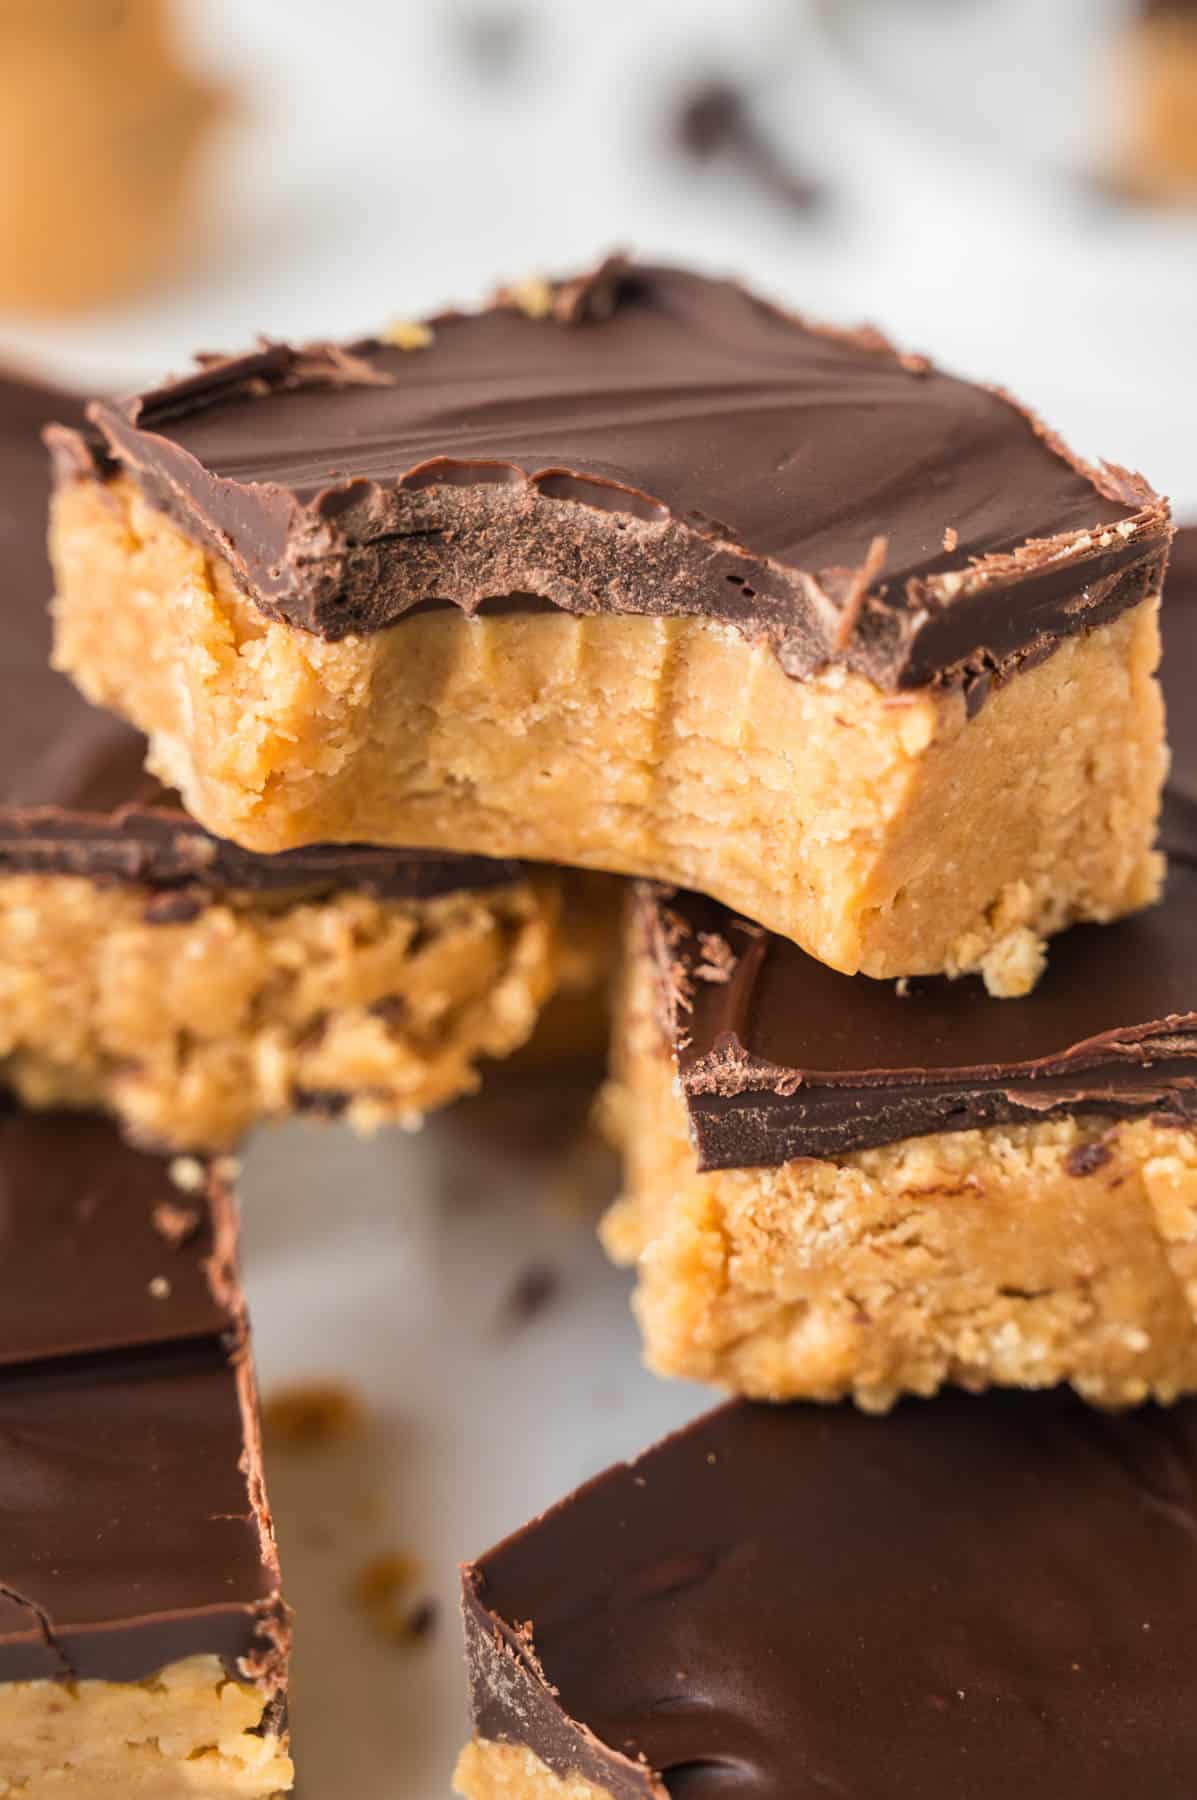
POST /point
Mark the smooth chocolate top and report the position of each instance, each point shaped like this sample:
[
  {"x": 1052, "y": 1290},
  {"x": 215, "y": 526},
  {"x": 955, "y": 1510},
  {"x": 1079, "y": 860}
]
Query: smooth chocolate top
[
  {"x": 130, "y": 1534},
  {"x": 74, "y": 798},
  {"x": 1178, "y": 675},
  {"x": 781, "y": 1057},
  {"x": 100, "y": 1249},
  {"x": 976, "y": 1597},
  {"x": 656, "y": 442}
]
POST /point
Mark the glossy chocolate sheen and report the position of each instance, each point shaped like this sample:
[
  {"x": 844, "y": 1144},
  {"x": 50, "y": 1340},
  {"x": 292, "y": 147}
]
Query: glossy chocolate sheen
[
  {"x": 129, "y": 1530},
  {"x": 1178, "y": 676},
  {"x": 658, "y": 443},
  {"x": 781, "y": 1057},
  {"x": 977, "y": 1597},
  {"x": 73, "y": 795},
  {"x": 100, "y": 1249}
]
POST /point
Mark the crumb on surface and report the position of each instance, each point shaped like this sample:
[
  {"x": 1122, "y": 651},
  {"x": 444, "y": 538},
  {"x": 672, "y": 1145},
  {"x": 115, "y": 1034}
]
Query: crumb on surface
[
  {"x": 532, "y": 1292},
  {"x": 176, "y": 1224},
  {"x": 309, "y": 1415},
  {"x": 380, "y": 1592}
]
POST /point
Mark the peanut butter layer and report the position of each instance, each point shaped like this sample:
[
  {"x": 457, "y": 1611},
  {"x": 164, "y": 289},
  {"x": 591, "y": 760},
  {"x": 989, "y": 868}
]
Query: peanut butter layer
[
  {"x": 187, "y": 1732},
  {"x": 488, "y": 1771},
  {"x": 1024, "y": 1254},
  {"x": 887, "y": 832},
  {"x": 193, "y": 1029}
]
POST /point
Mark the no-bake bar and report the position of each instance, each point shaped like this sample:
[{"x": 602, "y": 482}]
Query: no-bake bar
[
  {"x": 835, "y": 1186},
  {"x": 143, "y": 1637},
  {"x": 190, "y": 986},
  {"x": 1156, "y": 69},
  {"x": 637, "y": 572},
  {"x": 974, "y": 1599}
]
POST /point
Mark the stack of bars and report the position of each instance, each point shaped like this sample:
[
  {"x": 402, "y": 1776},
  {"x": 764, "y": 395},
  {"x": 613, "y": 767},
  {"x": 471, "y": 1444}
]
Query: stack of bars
[{"x": 851, "y": 667}]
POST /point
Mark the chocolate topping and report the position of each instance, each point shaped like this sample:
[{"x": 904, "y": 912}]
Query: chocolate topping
[
  {"x": 73, "y": 795},
  {"x": 980, "y": 1596},
  {"x": 1178, "y": 675},
  {"x": 781, "y": 1057},
  {"x": 85, "y": 1265},
  {"x": 650, "y": 442},
  {"x": 133, "y": 1528},
  {"x": 129, "y": 1532}
]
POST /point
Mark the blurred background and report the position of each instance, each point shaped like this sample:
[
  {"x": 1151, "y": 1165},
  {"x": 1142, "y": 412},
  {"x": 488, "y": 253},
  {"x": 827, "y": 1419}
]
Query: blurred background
[{"x": 1008, "y": 184}]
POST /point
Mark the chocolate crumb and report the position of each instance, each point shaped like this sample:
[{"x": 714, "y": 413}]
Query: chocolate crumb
[
  {"x": 177, "y": 1224},
  {"x": 492, "y": 39},
  {"x": 532, "y": 1293},
  {"x": 311, "y": 1415},
  {"x": 1086, "y": 1159},
  {"x": 392, "y": 1009},
  {"x": 421, "y": 1621},
  {"x": 717, "y": 119},
  {"x": 379, "y": 1590},
  {"x": 175, "y": 906}
]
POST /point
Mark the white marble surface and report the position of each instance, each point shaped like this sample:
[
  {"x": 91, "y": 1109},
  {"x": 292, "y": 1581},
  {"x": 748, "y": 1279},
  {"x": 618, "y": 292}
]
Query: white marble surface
[{"x": 375, "y": 175}]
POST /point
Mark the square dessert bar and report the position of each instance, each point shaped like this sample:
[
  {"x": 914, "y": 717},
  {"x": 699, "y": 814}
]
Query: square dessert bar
[
  {"x": 190, "y": 986},
  {"x": 639, "y": 573},
  {"x": 842, "y": 1187},
  {"x": 143, "y": 1637},
  {"x": 974, "y": 1599},
  {"x": 845, "y": 1187}
]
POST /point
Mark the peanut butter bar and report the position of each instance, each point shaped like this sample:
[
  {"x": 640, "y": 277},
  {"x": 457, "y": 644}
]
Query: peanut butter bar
[
  {"x": 975, "y": 1598},
  {"x": 190, "y": 986},
  {"x": 143, "y": 1638},
  {"x": 843, "y": 1187},
  {"x": 639, "y": 573},
  {"x": 1157, "y": 70}
]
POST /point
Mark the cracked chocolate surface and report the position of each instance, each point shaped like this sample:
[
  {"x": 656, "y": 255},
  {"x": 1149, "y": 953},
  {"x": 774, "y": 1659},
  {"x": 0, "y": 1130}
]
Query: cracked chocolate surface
[
  {"x": 644, "y": 440},
  {"x": 980, "y": 1595},
  {"x": 781, "y": 1057},
  {"x": 74, "y": 798}
]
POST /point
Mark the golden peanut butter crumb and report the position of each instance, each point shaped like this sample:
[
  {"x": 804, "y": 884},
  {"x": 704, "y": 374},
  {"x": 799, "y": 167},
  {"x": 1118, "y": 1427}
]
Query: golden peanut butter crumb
[
  {"x": 533, "y": 295},
  {"x": 189, "y": 1174},
  {"x": 951, "y": 538},
  {"x": 1014, "y": 964},
  {"x": 407, "y": 334},
  {"x": 310, "y": 1415},
  {"x": 160, "y": 1288}
]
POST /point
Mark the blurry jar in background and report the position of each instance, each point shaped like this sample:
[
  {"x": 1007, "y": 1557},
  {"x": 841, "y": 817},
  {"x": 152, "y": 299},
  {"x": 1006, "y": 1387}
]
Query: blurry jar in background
[{"x": 101, "y": 126}]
